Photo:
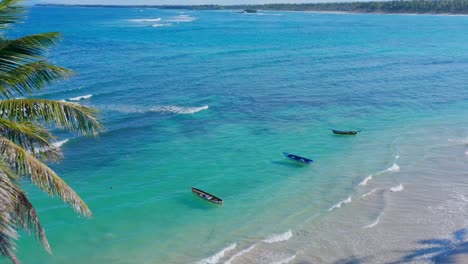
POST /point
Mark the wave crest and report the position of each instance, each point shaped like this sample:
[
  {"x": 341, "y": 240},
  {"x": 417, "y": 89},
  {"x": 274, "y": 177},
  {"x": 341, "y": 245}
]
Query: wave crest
[
  {"x": 79, "y": 98},
  {"x": 341, "y": 203},
  {"x": 279, "y": 237},
  {"x": 218, "y": 256},
  {"x": 169, "y": 109},
  {"x": 398, "y": 188}
]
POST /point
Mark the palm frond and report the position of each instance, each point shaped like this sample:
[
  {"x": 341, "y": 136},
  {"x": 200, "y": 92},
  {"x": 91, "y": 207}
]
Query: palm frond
[
  {"x": 10, "y": 13},
  {"x": 23, "y": 213},
  {"x": 30, "y": 77},
  {"x": 65, "y": 115},
  {"x": 32, "y": 137},
  {"x": 8, "y": 235},
  {"x": 26, "y": 165},
  {"x": 14, "y": 53}
]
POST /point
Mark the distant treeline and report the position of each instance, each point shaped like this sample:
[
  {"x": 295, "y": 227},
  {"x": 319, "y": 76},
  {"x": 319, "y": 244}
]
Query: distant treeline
[{"x": 400, "y": 6}]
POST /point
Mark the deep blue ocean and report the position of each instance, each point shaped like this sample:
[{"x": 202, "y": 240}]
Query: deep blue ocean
[{"x": 210, "y": 99}]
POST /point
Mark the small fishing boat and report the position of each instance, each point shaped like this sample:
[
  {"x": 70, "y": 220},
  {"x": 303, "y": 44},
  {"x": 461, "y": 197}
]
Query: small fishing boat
[
  {"x": 339, "y": 132},
  {"x": 298, "y": 158},
  {"x": 207, "y": 196}
]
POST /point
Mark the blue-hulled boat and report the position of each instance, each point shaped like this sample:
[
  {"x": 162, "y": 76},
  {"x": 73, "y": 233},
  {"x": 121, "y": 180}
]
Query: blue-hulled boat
[{"x": 297, "y": 158}]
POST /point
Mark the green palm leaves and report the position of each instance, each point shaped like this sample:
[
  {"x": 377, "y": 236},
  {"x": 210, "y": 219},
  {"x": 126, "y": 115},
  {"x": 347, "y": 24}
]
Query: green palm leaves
[{"x": 25, "y": 142}]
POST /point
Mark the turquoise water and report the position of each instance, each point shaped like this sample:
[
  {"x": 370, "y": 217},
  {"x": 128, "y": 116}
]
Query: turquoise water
[{"x": 211, "y": 99}]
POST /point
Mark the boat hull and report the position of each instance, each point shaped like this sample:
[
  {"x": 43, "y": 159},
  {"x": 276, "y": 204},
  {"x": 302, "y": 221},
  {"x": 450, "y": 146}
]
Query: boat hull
[
  {"x": 349, "y": 133},
  {"x": 298, "y": 158},
  {"x": 206, "y": 196}
]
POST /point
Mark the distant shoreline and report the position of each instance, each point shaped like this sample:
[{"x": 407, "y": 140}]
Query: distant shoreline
[{"x": 405, "y": 8}]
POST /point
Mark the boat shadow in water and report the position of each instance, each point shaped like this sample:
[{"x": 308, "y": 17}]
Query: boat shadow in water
[
  {"x": 291, "y": 164},
  {"x": 192, "y": 201}
]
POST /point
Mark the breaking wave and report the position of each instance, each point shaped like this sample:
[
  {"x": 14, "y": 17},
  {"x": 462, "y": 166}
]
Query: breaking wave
[
  {"x": 341, "y": 203},
  {"x": 170, "y": 109},
  {"x": 398, "y": 188},
  {"x": 58, "y": 144},
  {"x": 182, "y": 19},
  {"x": 240, "y": 253},
  {"x": 366, "y": 180},
  {"x": 393, "y": 168},
  {"x": 279, "y": 237},
  {"x": 145, "y": 20},
  {"x": 218, "y": 256},
  {"x": 161, "y": 25},
  {"x": 376, "y": 222},
  {"x": 78, "y": 98},
  {"x": 368, "y": 193}
]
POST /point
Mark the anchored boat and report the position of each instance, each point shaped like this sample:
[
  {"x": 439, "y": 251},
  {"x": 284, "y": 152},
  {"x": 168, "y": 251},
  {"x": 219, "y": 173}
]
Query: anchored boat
[
  {"x": 297, "y": 158},
  {"x": 207, "y": 196},
  {"x": 339, "y": 132}
]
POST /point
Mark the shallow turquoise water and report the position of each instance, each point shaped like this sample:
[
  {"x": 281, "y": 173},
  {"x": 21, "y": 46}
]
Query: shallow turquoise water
[{"x": 211, "y": 99}]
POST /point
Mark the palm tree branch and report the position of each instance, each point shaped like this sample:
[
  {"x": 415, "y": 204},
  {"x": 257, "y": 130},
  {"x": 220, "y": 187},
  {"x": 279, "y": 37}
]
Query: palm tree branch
[
  {"x": 30, "y": 77},
  {"x": 26, "y": 165},
  {"x": 10, "y": 13},
  {"x": 65, "y": 115},
  {"x": 32, "y": 137},
  {"x": 22, "y": 211},
  {"x": 14, "y": 53}
]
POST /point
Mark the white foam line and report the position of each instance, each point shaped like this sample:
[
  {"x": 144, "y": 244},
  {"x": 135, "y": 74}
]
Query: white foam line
[
  {"x": 338, "y": 205},
  {"x": 368, "y": 193},
  {"x": 279, "y": 237},
  {"x": 286, "y": 260},
  {"x": 376, "y": 222},
  {"x": 366, "y": 180},
  {"x": 58, "y": 144},
  {"x": 218, "y": 256},
  {"x": 240, "y": 253},
  {"x": 398, "y": 188},
  {"x": 78, "y": 98},
  {"x": 393, "y": 168}
]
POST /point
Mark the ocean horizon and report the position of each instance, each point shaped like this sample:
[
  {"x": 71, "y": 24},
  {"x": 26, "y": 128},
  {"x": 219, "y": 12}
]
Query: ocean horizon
[{"x": 211, "y": 99}]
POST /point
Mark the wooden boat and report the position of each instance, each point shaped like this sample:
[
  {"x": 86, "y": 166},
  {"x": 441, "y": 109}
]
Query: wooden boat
[
  {"x": 298, "y": 158},
  {"x": 207, "y": 196},
  {"x": 339, "y": 132}
]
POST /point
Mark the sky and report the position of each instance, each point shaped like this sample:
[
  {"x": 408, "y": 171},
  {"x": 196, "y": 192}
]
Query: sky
[{"x": 179, "y": 2}]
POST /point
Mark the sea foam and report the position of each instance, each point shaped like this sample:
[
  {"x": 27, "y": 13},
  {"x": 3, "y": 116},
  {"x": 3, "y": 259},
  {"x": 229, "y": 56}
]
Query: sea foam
[
  {"x": 376, "y": 222},
  {"x": 368, "y": 193},
  {"x": 169, "y": 109},
  {"x": 145, "y": 20},
  {"x": 78, "y": 98},
  {"x": 182, "y": 19},
  {"x": 285, "y": 260},
  {"x": 398, "y": 188},
  {"x": 279, "y": 237},
  {"x": 341, "y": 203},
  {"x": 366, "y": 180},
  {"x": 58, "y": 144},
  {"x": 218, "y": 256},
  {"x": 393, "y": 168},
  {"x": 240, "y": 253}
]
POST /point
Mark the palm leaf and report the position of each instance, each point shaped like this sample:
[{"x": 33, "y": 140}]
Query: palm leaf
[
  {"x": 26, "y": 165},
  {"x": 15, "y": 53},
  {"x": 8, "y": 234},
  {"x": 30, "y": 77},
  {"x": 65, "y": 115},
  {"x": 20, "y": 208},
  {"x": 32, "y": 137},
  {"x": 10, "y": 13}
]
